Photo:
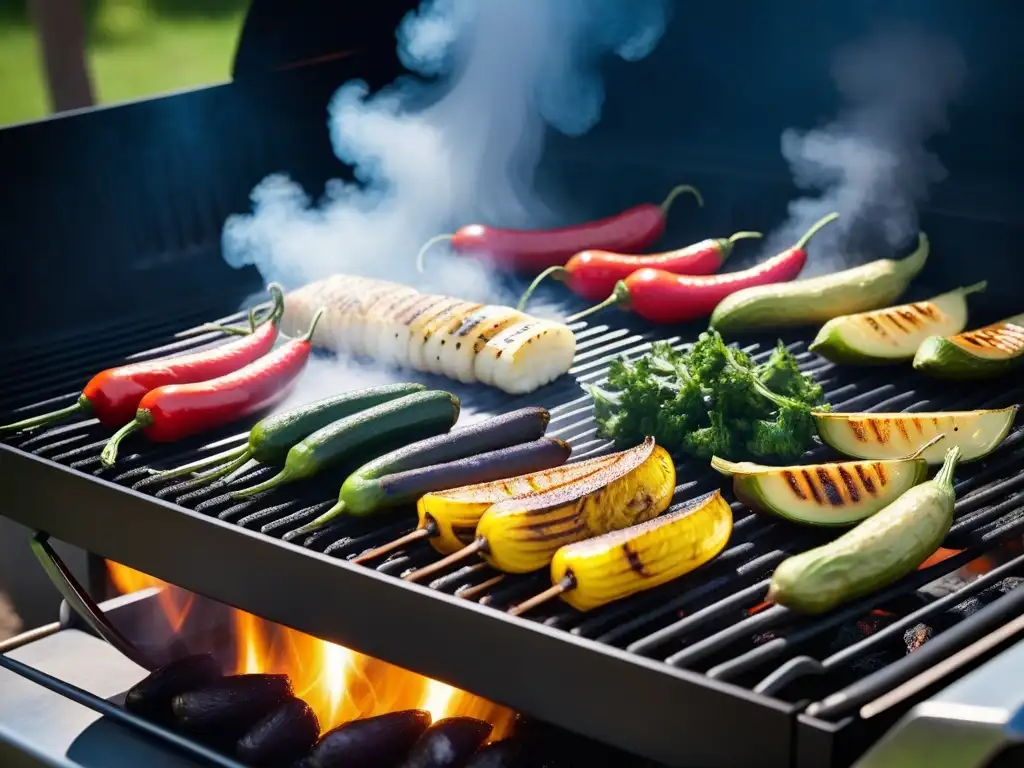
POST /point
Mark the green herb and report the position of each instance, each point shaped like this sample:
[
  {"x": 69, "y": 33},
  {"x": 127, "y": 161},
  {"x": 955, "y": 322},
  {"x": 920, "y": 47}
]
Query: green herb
[{"x": 711, "y": 400}]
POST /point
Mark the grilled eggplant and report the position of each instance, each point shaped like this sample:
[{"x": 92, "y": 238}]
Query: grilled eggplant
[
  {"x": 838, "y": 493},
  {"x": 448, "y": 743},
  {"x": 598, "y": 571},
  {"x": 151, "y": 697},
  {"x": 463, "y": 340},
  {"x": 894, "y": 435},
  {"x": 229, "y": 707},
  {"x": 893, "y": 334},
  {"x": 522, "y": 534},
  {"x": 994, "y": 350},
  {"x": 372, "y": 742},
  {"x": 286, "y": 734}
]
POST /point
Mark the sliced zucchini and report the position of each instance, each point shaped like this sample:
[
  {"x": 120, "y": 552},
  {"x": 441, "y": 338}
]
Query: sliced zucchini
[
  {"x": 840, "y": 493},
  {"x": 894, "y": 435},
  {"x": 986, "y": 352},
  {"x": 893, "y": 334}
]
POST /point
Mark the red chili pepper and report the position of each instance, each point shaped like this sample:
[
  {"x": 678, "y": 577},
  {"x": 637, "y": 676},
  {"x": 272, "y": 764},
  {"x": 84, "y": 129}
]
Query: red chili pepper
[
  {"x": 531, "y": 250},
  {"x": 113, "y": 395},
  {"x": 592, "y": 275},
  {"x": 664, "y": 297},
  {"x": 178, "y": 411}
]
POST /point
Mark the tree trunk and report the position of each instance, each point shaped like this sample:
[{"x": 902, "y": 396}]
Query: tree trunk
[{"x": 60, "y": 27}]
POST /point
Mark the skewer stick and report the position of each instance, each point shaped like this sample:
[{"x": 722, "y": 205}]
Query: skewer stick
[
  {"x": 470, "y": 592},
  {"x": 567, "y": 583},
  {"x": 391, "y": 546},
  {"x": 469, "y": 550}
]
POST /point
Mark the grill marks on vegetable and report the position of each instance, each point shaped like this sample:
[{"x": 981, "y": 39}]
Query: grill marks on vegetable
[
  {"x": 1000, "y": 337},
  {"x": 835, "y": 485}
]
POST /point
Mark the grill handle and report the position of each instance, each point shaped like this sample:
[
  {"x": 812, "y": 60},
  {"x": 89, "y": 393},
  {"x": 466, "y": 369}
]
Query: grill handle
[{"x": 83, "y": 605}]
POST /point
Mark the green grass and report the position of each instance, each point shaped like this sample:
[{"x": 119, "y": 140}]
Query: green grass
[{"x": 166, "y": 53}]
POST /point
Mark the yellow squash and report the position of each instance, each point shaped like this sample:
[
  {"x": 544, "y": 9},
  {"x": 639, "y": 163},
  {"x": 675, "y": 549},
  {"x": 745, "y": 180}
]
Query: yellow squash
[
  {"x": 455, "y": 513},
  {"x": 893, "y": 435},
  {"x": 522, "y": 535},
  {"x": 598, "y": 571}
]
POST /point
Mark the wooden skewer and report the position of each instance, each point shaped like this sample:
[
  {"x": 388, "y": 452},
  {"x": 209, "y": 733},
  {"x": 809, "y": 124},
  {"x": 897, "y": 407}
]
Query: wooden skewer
[
  {"x": 567, "y": 583},
  {"x": 467, "y": 551},
  {"x": 370, "y": 554},
  {"x": 470, "y": 592}
]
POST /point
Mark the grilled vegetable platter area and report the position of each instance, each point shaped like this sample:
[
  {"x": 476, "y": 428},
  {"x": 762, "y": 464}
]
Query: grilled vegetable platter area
[{"x": 502, "y": 492}]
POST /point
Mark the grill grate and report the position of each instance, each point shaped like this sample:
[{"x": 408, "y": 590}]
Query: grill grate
[{"x": 711, "y": 621}]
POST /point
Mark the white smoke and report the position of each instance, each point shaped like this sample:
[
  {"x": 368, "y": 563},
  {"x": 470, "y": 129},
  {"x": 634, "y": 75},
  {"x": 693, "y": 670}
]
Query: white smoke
[
  {"x": 871, "y": 163},
  {"x": 431, "y": 157}
]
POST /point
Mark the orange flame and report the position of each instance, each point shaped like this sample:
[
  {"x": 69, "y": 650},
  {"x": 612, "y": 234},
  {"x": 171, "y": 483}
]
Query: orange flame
[{"x": 337, "y": 683}]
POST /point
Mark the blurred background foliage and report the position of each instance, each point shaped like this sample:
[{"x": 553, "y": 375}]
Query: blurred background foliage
[{"x": 135, "y": 48}]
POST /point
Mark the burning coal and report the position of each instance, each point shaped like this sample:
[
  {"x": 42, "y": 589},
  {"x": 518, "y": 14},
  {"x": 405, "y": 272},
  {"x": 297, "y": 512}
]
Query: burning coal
[
  {"x": 871, "y": 163},
  {"x": 339, "y": 685},
  {"x": 431, "y": 157}
]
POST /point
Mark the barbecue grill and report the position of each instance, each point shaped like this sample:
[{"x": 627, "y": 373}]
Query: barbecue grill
[{"x": 698, "y": 672}]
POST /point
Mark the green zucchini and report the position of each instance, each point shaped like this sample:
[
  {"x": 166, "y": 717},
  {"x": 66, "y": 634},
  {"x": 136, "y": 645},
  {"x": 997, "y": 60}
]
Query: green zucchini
[
  {"x": 893, "y": 334},
  {"x": 367, "y": 496},
  {"x": 430, "y": 412},
  {"x": 877, "y": 436},
  {"x": 272, "y": 438},
  {"x": 362, "y": 493},
  {"x": 881, "y": 550},
  {"x": 838, "y": 493},
  {"x": 818, "y": 299},
  {"x": 987, "y": 352}
]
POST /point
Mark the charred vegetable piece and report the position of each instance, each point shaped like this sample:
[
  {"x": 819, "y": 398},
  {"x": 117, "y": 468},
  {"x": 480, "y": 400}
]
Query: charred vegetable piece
[
  {"x": 151, "y": 697},
  {"x": 818, "y": 299},
  {"x": 362, "y": 491},
  {"x": 893, "y": 435},
  {"x": 373, "y": 742},
  {"x": 448, "y": 743},
  {"x": 879, "y": 551},
  {"x": 449, "y": 518},
  {"x": 287, "y": 733},
  {"x": 231, "y": 706},
  {"x": 838, "y": 493},
  {"x": 893, "y": 334},
  {"x": 598, "y": 571},
  {"x": 406, "y": 487},
  {"x": 994, "y": 350},
  {"x": 522, "y": 535},
  {"x": 433, "y": 411},
  {"x": 498, "y": 754}
]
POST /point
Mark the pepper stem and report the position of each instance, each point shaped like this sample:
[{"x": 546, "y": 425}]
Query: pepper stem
[
  {"x": 726, "y": 245},
  {"x": 83, "y": 406},
  {"x": 308, "y": 336},
  {"x": 676, "y": 192},
  {"x": 281, "y": 478},
  {"x": 620, "y": 296},
  {"x": 227, "y": 469},
  {"x": 427, "y": 246},
  {"x": 815, "y": 229},
  {"x": 428, "y": 530},
  {"x": 944, "y": 476},
  {"x": 555, "y": 271},
  {"x": 215, "y": 460},
  {"x": 335, "y": 511},
  {"x": 976, "y": 288},
  {"x": 108, "y": 455},
  {"x": 926, "y": 446},
  {"x": 567, "y": 582}
]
